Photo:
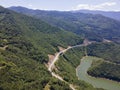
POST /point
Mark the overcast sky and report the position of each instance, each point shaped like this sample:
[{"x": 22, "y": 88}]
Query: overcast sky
[{"x": 65, "y": 5}]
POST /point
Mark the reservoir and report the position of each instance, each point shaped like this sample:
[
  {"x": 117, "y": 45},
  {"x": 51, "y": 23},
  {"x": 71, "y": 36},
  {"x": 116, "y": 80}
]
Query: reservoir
[{"x": 96, "y": 82}]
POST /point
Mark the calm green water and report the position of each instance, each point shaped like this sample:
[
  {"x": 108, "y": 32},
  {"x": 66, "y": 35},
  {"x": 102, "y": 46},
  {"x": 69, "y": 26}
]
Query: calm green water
[{"x": 96, "y": 82}]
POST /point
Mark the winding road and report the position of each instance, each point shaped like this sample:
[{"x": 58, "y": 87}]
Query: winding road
[
  {"x": 57, "y": 58},
  {"x": 52, "y": 65},
  {"x": 59, "y": 53},
  {"x": 105, "y": 83}
]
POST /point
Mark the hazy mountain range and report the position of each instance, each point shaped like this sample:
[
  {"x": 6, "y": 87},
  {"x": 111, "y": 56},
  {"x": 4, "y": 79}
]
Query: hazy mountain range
[
  {"x": 111, "y": 14},
  {"x": 91, "y": 26}
]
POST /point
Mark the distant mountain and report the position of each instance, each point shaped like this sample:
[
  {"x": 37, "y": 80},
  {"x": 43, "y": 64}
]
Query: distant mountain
[
  {"x": 111, "y": 14},
  {"x": 93, "y": 27}
]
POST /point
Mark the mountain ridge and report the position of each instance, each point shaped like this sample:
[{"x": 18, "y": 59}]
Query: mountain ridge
[
  {"x": 112, "y": 14},
  {"x": 94, "y": 27}
]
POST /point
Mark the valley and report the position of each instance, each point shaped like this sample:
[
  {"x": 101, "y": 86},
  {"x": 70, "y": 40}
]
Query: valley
[{"x": 58, "y": 50}]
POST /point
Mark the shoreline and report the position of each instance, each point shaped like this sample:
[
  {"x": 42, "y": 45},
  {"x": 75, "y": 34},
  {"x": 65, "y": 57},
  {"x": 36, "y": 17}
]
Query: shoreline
[
  {"x": 99, "y": 78},
  {"x": 103, "y": 78}
]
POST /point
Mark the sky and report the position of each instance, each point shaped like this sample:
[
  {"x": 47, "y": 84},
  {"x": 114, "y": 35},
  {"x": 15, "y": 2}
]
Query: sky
[{"x": 65, "y": 5}]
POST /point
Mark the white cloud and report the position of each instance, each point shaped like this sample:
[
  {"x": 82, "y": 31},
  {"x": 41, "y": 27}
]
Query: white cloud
[
  {"x": 30, "y": 5},
  {"x": 95, "y": 7}
]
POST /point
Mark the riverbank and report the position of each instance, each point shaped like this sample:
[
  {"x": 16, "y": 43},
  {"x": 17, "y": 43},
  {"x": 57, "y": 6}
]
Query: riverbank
[{"x": 81, "y": 72}]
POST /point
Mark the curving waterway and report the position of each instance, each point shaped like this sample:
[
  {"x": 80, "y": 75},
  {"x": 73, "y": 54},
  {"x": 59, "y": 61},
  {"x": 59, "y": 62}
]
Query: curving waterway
[{"x": 96, "y": 82}]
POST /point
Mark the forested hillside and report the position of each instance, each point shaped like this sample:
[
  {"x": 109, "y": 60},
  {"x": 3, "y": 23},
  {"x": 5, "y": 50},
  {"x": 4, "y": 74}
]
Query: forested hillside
[
  {"x": 94, "y": 27},
  {"x": 110, "y": 66},
  {"x": 107, "y": 51},
  {"x": 25, "y": 43},
  {"x": 105, "y": 70}
]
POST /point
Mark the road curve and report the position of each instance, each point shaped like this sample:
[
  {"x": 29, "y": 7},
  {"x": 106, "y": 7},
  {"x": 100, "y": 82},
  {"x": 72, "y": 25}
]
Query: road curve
[
  {"x": 57, "y": 58},
  {"x": 58, "y": 54},
  {"x": 86, "y": 43}
]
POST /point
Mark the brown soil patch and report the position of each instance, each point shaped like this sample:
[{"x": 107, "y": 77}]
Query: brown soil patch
[
  {"x": 51, "y": 58},
  {"x": 61, "y": 48},
  {"x": 4, "y": 48}
]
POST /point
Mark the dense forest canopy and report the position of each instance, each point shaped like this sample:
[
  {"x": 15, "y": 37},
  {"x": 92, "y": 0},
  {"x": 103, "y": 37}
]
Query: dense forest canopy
[
  {"x": 25, "y": 43},
  {"x": 27, "y": 40}
]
